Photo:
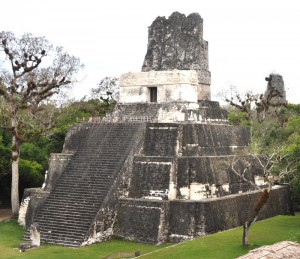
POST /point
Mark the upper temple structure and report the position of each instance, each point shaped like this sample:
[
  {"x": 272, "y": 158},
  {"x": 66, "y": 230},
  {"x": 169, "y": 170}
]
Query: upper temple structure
[
  {"x": 175, "y": 44},
  {"x": 163, "y": 166}
]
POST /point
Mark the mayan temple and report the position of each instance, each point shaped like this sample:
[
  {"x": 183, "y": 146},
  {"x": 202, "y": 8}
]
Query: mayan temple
[{"x": 158, "y": 167}]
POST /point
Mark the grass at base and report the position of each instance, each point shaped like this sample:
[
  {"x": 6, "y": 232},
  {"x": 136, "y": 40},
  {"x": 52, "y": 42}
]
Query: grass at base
[
  {"x": 220, "y": 245},
  {"x": 11, "y": 234},
  {"x": 228, "y": 244}
]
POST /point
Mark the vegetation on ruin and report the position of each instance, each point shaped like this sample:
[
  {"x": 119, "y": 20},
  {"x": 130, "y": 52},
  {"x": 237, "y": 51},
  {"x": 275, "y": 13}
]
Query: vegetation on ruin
[
  {"x": 277, "y": 136},
  {"x": 275, "y": 141},
  {"x": 220, "y": 245}
]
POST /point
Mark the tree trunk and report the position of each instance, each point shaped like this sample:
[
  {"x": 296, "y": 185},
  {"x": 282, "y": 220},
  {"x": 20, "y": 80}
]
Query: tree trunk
[
  {"x": 246, "y": 233},
  {"x": 246, "y": 226},
  {"x": 15, "y": 176}
]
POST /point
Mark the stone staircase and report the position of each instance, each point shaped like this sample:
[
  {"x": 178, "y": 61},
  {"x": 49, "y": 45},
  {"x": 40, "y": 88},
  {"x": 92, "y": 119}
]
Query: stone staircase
[{"x": 68, "y": 212}]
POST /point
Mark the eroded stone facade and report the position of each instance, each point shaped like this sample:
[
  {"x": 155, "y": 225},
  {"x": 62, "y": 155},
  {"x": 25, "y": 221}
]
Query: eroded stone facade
[
  {"x": 177, "y": 43},
  {"x": 171, "y": 86}
]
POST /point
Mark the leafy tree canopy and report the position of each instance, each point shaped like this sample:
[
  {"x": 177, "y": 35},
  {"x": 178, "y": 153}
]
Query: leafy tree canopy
[{"x": 32, "y": 71}]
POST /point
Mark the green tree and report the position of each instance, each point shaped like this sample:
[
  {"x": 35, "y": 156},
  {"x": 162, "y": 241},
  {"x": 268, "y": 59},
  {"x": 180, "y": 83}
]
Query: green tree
[
  {"x": 24, "y": 86},
  {"x": 107, "y": 89},
  {"x": 274, "y": 129}
]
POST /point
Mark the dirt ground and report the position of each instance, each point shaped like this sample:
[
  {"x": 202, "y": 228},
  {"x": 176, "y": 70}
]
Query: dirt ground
[{"x": 5, "y": 214}]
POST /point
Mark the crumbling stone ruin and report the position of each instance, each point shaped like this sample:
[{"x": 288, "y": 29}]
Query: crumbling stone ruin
[
  {"x": 273, "y": 98},
  {"x": 275, "y": 82},
  {"x": 158, "y": 167},
  {"x": 177, "y": 43}
]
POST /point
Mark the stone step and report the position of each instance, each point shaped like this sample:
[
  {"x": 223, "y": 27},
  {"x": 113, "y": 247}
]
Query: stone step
[
  {"x": 75, "y": 199},
  {"x": 80, "y": 194},
  {"x": 66, "y": 232},
  {"x": 95, "y": 192},
  {"x": 91, "y": 184},
  {"x": 75, "y": 243},
  {"x": 50, "y": 216},
  {"x": 94, "y": 189},
  {"x": 85, "y": 169},
  {"x": 65, "y": 229},
  {"x": 88, "y": 173},
  {"x": 58, "y": 240},
  {"x": 88, "y": 179},
  {"x": 73, "y": 215},
  {"x": 66, "y": 226},
  {"x": 63, "y": 238},
  {"x": 72, "y": 206},
  {"x": 76, "y": 222}
]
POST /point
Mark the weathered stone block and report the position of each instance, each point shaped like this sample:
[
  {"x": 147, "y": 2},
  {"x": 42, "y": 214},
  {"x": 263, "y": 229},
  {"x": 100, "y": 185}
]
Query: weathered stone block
[
  {"x": 151, "y": 178},
  {"x": 32, "y": 201},
  {"x": 35, "y": 235},
  {"x": 161, "y": 139},
  {"x": 142, "y": 220}
]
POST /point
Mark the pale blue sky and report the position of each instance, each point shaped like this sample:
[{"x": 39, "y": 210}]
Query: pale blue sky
[{"x": 247, "y": 39}]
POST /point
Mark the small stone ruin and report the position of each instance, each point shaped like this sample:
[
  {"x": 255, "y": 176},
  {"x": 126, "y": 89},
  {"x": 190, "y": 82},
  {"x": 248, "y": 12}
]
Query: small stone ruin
[{"x": 158, "y": 167}]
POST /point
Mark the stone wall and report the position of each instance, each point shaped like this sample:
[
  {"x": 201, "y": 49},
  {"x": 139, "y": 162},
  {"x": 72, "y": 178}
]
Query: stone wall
[
  {"x": 161, "y": 139},
  {"x": 191, "y": 161},
  {"x": 231, "y": 211},
  {"x": 212, "y": 176},
  {"x": 151, "y": 178},
  {"x": 170, "y": 112},
  {"x": 177, "y": 43},
  {"x": 32, "y": 201},
  {"x": 212, "y": 139},
  {"x": 133, "y": 112},
  {"x": 172, "y": 86},
  {"x": 154, "y": 221},
  {"x": 143, "y": 221}
]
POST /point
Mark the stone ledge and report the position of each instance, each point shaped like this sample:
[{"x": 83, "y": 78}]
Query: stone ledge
[{"x": 154, "y": 78}]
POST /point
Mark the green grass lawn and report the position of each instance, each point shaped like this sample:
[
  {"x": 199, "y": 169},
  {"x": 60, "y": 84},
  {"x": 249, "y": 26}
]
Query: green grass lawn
[{"x": 221, "y": 245}]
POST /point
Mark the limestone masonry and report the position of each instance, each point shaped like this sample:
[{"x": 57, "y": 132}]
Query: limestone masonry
[
  {"x": 158, "y": 168},
  {"x": 177, "y": 43},
  {"x": 170, "y": 86}
]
